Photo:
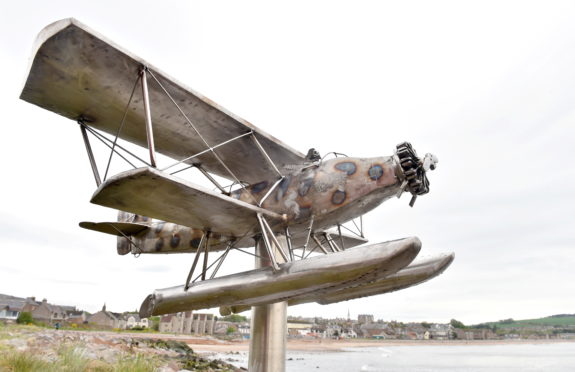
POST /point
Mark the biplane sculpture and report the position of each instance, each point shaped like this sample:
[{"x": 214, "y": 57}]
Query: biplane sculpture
[{"x": 293, "y": 205}]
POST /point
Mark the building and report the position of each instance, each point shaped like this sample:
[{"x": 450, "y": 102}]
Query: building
[
  {"x": 106, "y": 319},
  {"x": 49, "y": 313},
  {"x": 134, "y": 321},
  {"x": 188, "y": 323},
  {"x": 298, "y": 329},
  {"x": 77, "y": 317},
  {"x": 203, "y": 324},
  {"x": 10, "y": 308},
  {"x": 365, "y": 318}
]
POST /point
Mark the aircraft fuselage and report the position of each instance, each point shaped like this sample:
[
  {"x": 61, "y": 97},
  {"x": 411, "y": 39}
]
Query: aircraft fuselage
[{"x": 332, "y": 192}]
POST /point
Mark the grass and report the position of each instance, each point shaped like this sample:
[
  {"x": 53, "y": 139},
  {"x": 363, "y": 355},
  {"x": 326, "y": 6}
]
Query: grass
[
  {"x": 550, "y": 321},
  {"x": 72, "y": 360},
  {"x": 22, "y": 362}
]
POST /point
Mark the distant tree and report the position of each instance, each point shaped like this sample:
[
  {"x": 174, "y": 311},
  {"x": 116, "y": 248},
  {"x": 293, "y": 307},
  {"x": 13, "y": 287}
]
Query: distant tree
[
  {"x": 235, "y": 318},
  {"x": 507, "y": 321},
  {"x": 230, "y": 330},
  {"x": 25, "y": 318},
  {"x": 456, "y": 324},
  {"x": 155, "y": 323},
  {"x": 425, "y": 325}
]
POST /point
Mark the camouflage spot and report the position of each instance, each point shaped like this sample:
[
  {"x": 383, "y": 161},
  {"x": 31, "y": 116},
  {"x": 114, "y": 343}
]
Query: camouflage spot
[
  {"x": 338, "y": 197},
  {"x": 159, "y": 244},
  {"x": 175, "y": 241},
  {"x": 159, "y": 227},
  {"x": 195, "y": 243},
  {"x": 258, "y": 187},
  {"x": 347, "y": 167},
  {"x": 304, "y": 213},
  {"x": 304, "y": 186},
  {"x": 375, "y": 172},
  {"x": 282, "y": 188}
]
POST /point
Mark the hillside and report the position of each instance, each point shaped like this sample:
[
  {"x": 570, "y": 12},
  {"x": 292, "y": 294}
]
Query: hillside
[{"x": 560, "y": 320}]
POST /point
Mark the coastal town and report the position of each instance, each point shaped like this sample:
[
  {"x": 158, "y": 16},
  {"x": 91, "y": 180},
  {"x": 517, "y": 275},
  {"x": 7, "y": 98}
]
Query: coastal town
[{"x": 41, "y": 312}]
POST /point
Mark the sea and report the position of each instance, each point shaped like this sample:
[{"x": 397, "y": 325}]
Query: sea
[{"x": 556, "y": 357}]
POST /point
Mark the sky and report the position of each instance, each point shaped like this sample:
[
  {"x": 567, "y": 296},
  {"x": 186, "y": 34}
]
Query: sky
[{"x": 487, "y": 86}]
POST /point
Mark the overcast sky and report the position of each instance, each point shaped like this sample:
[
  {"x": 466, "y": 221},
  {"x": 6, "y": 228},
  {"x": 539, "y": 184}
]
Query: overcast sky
[{"x": 489, "y": 87}]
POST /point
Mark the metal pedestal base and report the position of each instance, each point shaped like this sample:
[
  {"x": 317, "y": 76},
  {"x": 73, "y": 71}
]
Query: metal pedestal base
[{"x": 269, "y": 326}]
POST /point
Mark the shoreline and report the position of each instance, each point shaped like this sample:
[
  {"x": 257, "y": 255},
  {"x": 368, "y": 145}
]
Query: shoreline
[{"x": 342, "y": 345}]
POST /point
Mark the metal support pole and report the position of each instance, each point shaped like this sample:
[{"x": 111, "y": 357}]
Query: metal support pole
[
  {"x": 148, "y": 116},
  {"x": 90, "y": 155},
  {"x": 269, "y": 325}
]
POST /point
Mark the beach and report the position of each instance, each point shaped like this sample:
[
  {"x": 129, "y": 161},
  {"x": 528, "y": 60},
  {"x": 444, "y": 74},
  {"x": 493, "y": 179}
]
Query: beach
[
  {"x": 213, "y": 345},
  {"x": 408, "y": 355}
]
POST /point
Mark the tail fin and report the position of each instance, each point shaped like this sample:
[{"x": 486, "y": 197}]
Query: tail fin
[{"x": 128, "y": 225}]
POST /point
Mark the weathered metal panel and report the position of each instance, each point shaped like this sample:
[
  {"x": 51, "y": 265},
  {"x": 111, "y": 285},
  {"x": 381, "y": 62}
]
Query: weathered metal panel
[
  {"x": 417, "y": 272},
  {"x": 77, "y": 73},
  {"x": 149, "y": 192},
  {"x": 262, "y": 286}
]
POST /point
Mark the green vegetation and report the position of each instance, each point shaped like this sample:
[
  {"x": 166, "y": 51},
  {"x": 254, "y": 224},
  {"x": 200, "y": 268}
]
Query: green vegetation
[
  {"x": 235, "y": 318},
  {"x": 457, "y": 324},
  {"x": 22, "y": 362},
  {"x": 69, "y": 359},
  {"x": 562, "y": 320},
  {"x": 25, "y": 318},
  {"x": 155, "y": 323}
]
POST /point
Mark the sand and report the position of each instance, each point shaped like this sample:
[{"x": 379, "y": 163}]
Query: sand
[{"x": 339, "y": 345}]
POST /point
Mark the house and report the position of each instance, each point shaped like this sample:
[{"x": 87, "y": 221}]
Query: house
[
  {"x": 48, "y": 313},
  {"x": 10, "y": 308},
  {"x": 298, "y": 329},
  {"x": 441, "y": 332},
  {"x": 106, "y": 319},
  {"x": 378, "y": 331},
  {"x": 225, "y": 327},
  {"x": 77, "y": 317},
  {"x": 348, "y": 333},
  {"x": 134, "y": 321}
]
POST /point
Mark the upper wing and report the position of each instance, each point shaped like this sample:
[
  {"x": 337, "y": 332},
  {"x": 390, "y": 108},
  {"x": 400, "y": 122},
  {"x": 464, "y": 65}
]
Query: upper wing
[
  {"x": 149, "y": 192},
  {"x": 79, "y": 74}
]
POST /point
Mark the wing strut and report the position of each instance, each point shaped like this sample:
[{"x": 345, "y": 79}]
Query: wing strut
[
  {"x": 148, "y": 115},
  {"x": 268, "y": 234},
  {"x": 121, "y": 126},
  {"x": 307, "y": 237},
  {"x": 203, "y": 242},
  {"x": 90, "y": 155},
  {"x": 210, "y": 148}
]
